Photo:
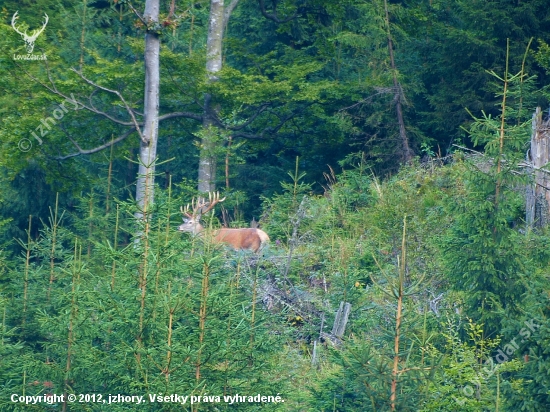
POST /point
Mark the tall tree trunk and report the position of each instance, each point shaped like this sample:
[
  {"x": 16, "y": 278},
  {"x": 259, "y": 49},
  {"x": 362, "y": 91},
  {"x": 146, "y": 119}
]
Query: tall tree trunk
[
  {"x": 148, "y": 145},
  {"x": 407, "y": 153},
  {"x": 218, "y": 19},
  {"x": 207, "y": 162}
]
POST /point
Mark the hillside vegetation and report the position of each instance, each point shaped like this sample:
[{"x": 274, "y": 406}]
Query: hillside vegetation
[
  {"x": 384, "y": 147},
  {"x": 85, "y": 312}
]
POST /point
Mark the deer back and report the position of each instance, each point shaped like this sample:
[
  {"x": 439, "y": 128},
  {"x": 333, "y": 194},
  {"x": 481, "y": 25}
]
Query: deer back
[{"x": 242, "y": 239}]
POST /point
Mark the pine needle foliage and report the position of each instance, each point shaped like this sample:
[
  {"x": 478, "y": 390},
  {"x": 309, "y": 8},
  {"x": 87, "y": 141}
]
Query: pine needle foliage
[
  {"x": 165, "y": 315},
  {"x": 483, "y": 250}
]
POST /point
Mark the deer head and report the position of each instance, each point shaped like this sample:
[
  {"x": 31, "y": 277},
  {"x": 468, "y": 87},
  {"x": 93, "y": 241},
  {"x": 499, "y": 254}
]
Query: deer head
[
  {"x": 191, "y": 221},
  {"x": 29, "y": 40}
]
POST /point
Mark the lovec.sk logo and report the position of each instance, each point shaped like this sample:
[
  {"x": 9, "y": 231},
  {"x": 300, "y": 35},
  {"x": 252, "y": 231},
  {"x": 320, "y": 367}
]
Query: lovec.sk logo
[{"x": 29, "y": 40}]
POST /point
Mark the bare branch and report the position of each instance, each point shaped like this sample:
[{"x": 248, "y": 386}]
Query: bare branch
[
  {"x": 91, "y": 107},
  {"x": 187, "y": 115},
  {"x": 273, "y": 16},
  {"x": 262, "y": 109},
  {"x": 222, "y": 125},
  {"x": 380, "y": 90},
  {"x": 275, "y": 129},
  {"x": 250, "y": 136},
  {"x": 227, "y": 12},
  {"x": 94, "y": 109},
  {"x": 53, "y": 89},
  {"x": 95, "y": 149},
  {"x": 139, "y": 16},
  {"x": 117, "y": 93},
  {"x": 122, "y": 136}
]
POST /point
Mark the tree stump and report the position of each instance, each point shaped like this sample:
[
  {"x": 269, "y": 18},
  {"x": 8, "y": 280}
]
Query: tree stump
[{"x": 538, "y": 193}]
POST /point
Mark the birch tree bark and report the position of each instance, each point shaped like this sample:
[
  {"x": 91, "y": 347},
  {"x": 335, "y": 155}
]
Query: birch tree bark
[
  {"x": 218, "y": 19},
  {"x": 148, "y": 144}
]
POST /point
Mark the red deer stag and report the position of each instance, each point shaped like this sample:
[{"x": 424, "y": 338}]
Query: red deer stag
[{"x": 246, "y": 238}]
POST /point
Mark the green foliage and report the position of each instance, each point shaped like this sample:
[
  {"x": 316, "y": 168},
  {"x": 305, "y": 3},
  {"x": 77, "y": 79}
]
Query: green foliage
[
  {"x": 158, "y": 316},
  {"x": 528, "y": 388},
  {"x": 85, "y": 296},
  {"x": 484, "y": 251},
  {"x": 88, "y": 306},
  {"x": 469, "y": 374}
]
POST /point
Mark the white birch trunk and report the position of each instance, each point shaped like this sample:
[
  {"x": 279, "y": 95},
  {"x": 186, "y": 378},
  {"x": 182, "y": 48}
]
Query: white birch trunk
[
  {"x": 148, "y": 145},
  {"x": 207, "y": 162},
  {"x": 219, "y": 16}
]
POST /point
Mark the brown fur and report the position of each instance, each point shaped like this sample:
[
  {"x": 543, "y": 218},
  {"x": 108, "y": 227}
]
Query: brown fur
[{"x": 246, "y": 239}]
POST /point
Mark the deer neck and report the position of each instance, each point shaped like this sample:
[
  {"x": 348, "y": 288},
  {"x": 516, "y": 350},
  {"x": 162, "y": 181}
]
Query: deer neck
[{"x": 198, "y": 229}]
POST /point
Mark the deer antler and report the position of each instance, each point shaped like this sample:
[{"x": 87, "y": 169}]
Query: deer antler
[
  {"x": 213, "y": 200},
  {"x": 199, "y": 206},
  {"x": 185, "y": 211}
]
